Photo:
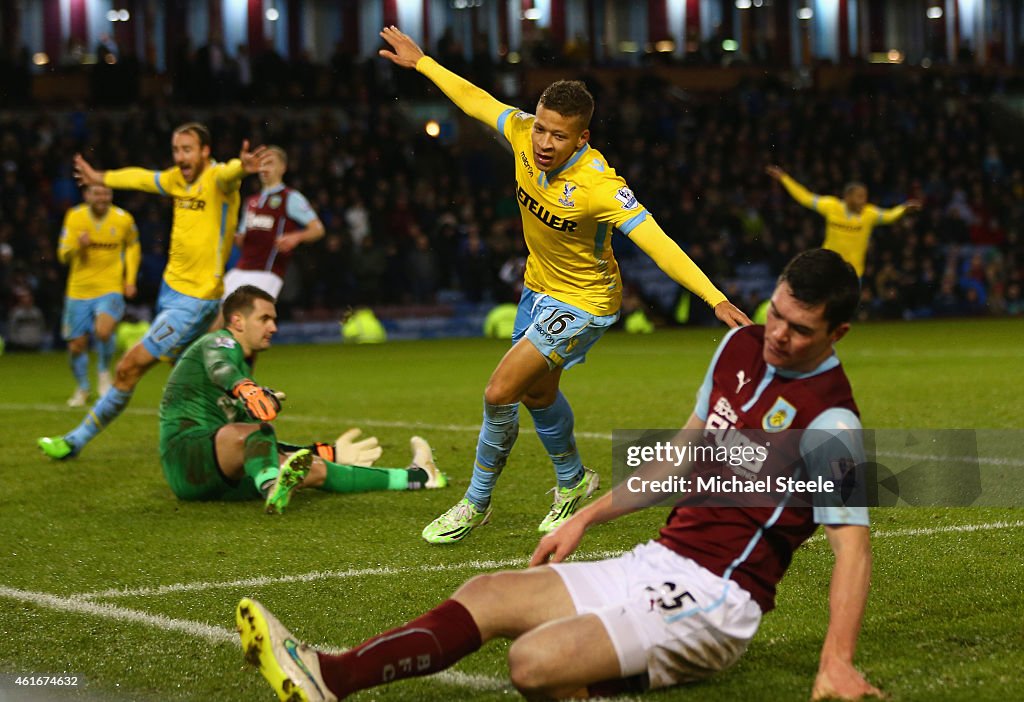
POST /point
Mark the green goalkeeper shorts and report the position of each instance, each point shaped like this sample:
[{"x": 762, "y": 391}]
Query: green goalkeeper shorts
[{"x": 189, "y": 460}]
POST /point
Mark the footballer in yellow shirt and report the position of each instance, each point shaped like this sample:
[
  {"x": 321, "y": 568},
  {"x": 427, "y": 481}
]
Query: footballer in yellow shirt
[
  {"x": 848, "y": 222},
  {"x": 206, "y": 198},
  {"x": 571, "y": 201},
  {"x": 100, "y": 244}
]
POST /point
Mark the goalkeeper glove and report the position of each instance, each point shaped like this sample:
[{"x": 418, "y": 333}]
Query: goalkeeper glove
[
  {"x": 260, "y": 403},
  {"x": 349, "y": 452}
]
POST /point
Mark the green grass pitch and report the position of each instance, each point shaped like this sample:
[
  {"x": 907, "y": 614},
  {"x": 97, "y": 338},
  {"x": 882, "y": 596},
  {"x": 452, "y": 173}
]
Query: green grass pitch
[{"x": 104, "y": 574}]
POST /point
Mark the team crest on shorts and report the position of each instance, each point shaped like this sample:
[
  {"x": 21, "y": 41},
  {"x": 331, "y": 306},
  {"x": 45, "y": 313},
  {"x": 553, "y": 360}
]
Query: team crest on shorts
[
  {"x": 779, "y": 417},
  {"x": 566, "y": 199}
]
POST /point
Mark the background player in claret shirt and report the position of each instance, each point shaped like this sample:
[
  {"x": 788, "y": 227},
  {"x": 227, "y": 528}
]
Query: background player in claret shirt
[
  {"x": 214, "y": 447},
  {"x": 848, "y": 222},
  {"x": 571, "y": 201},
  {"x": 100, "y": 243},
  {"x": 273, "y": 223},
  {"x": 206, "y": 203},
  {"x": 681, "y": 607}
]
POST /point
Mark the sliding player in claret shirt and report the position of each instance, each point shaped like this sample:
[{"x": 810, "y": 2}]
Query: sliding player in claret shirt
[
  {"x": 216, "y": 439},
  {"x": 273, "y": 224},
  {"x": 683, "y": 607},
  {"x": 206, "y": 200},
  {"x": 571, "y": 201},
  {"x": 100, "y": 243},
  {"x": 848, "y": 222}
]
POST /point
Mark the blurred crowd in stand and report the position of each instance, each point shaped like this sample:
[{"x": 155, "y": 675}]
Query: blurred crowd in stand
[{"x": 413, "y": 219}]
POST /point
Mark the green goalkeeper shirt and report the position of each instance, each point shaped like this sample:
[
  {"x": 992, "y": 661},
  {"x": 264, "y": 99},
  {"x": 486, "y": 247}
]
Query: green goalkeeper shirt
[{"x": 198, "y": 391}]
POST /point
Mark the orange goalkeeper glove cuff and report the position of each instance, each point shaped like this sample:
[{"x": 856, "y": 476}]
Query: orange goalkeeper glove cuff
[{"x": 260, "y": 403}]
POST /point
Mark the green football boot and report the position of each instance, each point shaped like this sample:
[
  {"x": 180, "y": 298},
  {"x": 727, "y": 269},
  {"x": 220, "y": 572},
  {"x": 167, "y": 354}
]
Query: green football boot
[
  {"x": 567, "y": 500},
  {"x": 56, "y": 447},
  {"x": 293, "y": 472},
  {"x": 455, "y": 524}
]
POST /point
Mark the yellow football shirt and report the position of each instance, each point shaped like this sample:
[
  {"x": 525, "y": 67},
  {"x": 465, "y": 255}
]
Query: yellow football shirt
[
  {"x": 205, "y": 220},
  {"x": 111, "y": 259},
  {"x": 847, "y": 233},
  {"x": 570, "y": 213}
]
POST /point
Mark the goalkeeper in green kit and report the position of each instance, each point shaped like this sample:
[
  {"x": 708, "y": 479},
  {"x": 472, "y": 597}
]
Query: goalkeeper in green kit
[{"x": 216, "y": 442}]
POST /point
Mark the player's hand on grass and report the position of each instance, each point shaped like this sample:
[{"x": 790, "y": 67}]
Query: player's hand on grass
[
  {"x": 86, "y": 174},
  {"x": 559, "y": 544},
  {"x": 260, "y": 403},
  {"x": 251, "y": 160},
  {"x": 731, "y": 314},
  {"x": 839, "y": 680},
  {"x": 406, "y": 52},
  {"x": 350, "y": 452},
  {"x": 775, "y": 172}
]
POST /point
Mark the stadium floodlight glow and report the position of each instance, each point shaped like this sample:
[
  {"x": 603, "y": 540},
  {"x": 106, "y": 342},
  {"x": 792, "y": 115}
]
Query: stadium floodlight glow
[
  {"x": 533, "y": 14},
  {"x": 273, "y": 14},
  {"x": 432, "y": 128},
  {"x": 123, "y": 15},
  {"x": 40, "y": 58},
  {"x": 894, "y": 56},
  {"x": 730, "y": 45},
  {"x": 804, "y": 13},
  {"x": 628, "y": 47},
  {"x": 758, "y": 3},
  {"x": 514, "y": 57},
  {"x": 743, "y": 4},
  {"x": 934, "y": 12},
  {"x": 665, "y": 46},
  {"x": 112, "y": 16}
]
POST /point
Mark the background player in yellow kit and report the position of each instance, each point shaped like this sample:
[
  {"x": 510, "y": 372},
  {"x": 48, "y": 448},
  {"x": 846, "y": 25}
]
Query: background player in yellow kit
[
  {"x": 848, "y": 222},
  {"x": 100, "y": 244},
  {"x": 206, "y": 200},
  {"x": 571, "y": 201}
]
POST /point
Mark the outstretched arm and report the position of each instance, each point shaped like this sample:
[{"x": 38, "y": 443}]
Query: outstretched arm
[
  {"x": 798, "y": 192},
  {"x": 475, "y": 102},
  {"x": 654, "y": 242},
  {"x": 230, "y": 175},
  {"x": 894, "y": 213},
  {"x": 848, "y": 595}
]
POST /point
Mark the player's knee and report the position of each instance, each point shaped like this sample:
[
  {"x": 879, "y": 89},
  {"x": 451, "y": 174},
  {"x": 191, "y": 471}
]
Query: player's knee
[
  {"x": 103, "y": 335},
  {"x": 127, "y": 373},
  {"x": 528, "y": 670},
  {"x": 499, "y": 393},
  {"x": 539, "y": 399},
  {"x": 78, "y": 346}
]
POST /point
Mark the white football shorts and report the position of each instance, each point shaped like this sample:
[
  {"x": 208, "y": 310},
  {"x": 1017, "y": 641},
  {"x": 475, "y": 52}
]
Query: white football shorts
[{"x": 666, "y": 615}]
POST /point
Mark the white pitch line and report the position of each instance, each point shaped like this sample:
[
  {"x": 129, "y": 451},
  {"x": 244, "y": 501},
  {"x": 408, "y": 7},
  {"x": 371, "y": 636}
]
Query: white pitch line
[
  {"x": 475, "y": 429},
  {"x": 318, "y": 575},
  {"x": 79, "y": 605}
]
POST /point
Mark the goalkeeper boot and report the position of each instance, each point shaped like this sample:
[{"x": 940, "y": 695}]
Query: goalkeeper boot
[
  {"x": 56, "y": 447},
  {"x": 455, "y": 524},
  {"x": 291, "y": 667},
  {"x": 293, "y": 472},
  {"x": 567, "y": 500},
  {"x": 423, "y": 463}
]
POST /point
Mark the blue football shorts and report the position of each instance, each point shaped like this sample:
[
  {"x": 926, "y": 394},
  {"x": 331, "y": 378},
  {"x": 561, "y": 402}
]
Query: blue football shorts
[
  {"x": 80, "y": 314},
  {"x": 180, "y": 320},
  {"x": 561, "y": 332}
]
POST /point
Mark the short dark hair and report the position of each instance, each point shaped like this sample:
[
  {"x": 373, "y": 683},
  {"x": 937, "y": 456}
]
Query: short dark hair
[
  {"x": 853, "y": 185},
  {"x": 242, "y": 301},
  {"x": 569, "y": 98},
  {"x": 197, "y": 128},
  {"x": 821, "y": 276}
]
